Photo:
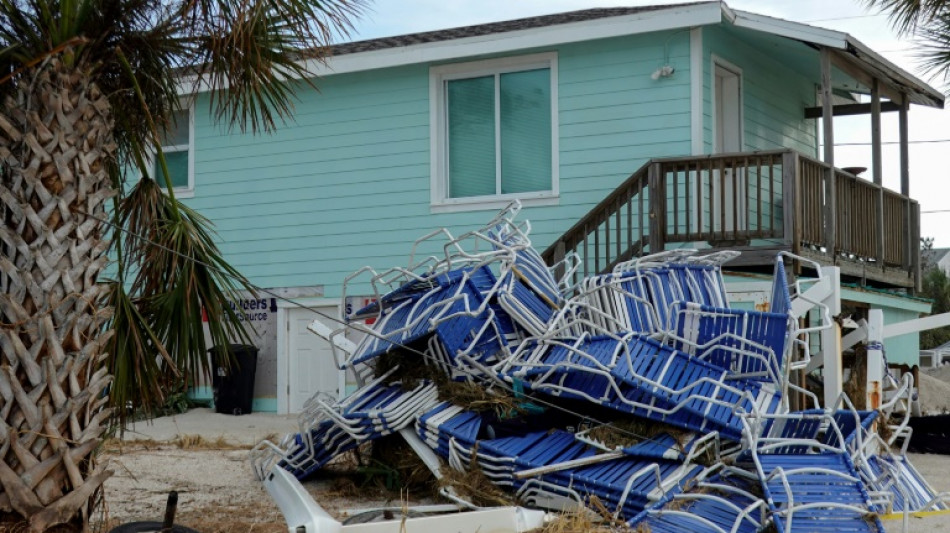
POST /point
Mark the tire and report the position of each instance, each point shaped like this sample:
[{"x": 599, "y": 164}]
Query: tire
[{"x": 148, "y": 527}]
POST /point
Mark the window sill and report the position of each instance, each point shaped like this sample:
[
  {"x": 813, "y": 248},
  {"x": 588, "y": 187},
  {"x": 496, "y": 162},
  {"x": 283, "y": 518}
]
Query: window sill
[
  {"x": 183, "y": 193},
  {"x": 485, "y": 204}
]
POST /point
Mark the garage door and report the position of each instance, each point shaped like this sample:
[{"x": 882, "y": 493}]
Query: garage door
[{"x": 311, "y": 367}]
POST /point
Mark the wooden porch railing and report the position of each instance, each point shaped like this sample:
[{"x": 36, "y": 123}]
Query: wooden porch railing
[{"x": 749, "y": 201}]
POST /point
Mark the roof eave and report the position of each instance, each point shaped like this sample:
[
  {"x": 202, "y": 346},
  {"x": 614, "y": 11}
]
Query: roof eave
[
  {"x": 918, "y": 91},
  {"x": 675, "y": 17}
]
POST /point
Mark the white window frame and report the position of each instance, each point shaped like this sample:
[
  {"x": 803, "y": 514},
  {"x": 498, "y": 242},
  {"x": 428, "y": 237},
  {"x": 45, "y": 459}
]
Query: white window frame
[
  {"x": 189, "y": 191},
  {"x": 438, "y": 132}
]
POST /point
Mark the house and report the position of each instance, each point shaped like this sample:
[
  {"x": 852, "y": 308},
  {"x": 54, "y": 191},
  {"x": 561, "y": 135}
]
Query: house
[
  {"x": 935, "y": 357},
  {"x": 940, "y": 258},
  {"x": 622, "y": 131}
]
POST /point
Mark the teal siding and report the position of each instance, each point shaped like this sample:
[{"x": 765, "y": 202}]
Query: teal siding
[
  {"x": 903, "y": 348},
  {"x": 897, "y": 308},
  {"x": 346, "y": 184},
  {"x": 774, "y": 96},
  {"x": 773, "y": 100}
]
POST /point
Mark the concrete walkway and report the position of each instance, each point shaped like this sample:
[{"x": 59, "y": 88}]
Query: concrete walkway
[{"x": 240, "y": 430}]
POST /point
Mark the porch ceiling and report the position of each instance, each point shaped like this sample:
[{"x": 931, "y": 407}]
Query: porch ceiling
[
  {"x": 797, "y": 56},
  {"x": 855, "y": 64}
]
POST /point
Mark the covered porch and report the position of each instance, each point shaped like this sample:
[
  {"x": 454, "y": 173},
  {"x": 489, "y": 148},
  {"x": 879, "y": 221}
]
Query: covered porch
[
  {"x": 766, "y": 195},
  {"x": 759, "y": 203}
]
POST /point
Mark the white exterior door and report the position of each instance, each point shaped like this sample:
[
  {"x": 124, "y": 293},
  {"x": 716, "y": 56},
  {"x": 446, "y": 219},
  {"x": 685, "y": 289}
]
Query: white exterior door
[
  {"x": 727, "y": 104},
  {"x": 311, "y": 368},
  {"x": 728, "y": 110}
]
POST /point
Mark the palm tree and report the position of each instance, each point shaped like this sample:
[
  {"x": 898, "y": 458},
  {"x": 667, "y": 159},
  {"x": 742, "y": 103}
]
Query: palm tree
[
  {"x": 87, "y": 89},
  {"x": 929, "y": 21}
]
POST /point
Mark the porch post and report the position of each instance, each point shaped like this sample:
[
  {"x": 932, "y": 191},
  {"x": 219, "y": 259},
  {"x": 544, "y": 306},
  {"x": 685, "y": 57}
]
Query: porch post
[
  {"x": 876, "y": 168},
  {"x": 904, "y": 144},
  {"x": 911, "y": 247},
  {"x": 827, "y": 115},
  {"x": 877, "y": 171},
  {"x": 657, "y": 208}
]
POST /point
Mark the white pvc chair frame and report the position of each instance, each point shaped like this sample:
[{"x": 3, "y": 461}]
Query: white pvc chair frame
[{"x": 458, "y": 252}]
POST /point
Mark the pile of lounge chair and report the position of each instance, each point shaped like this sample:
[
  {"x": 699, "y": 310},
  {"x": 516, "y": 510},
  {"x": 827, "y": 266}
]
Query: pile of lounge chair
[{"x": 693, "y": 394}]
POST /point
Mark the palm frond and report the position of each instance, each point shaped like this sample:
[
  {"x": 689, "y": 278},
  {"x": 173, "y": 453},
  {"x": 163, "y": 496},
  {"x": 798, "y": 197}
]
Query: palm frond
[
  {"x": 182, "y": 276},
  {"x": 247, "y": 52},
  {"x": 136, "y": 354},
  {"x": 907, "y": 16},
  {"x": 934, "y": 47}
]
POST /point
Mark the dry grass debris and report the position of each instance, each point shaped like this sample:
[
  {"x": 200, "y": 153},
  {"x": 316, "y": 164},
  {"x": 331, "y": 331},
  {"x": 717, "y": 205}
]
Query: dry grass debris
[
  {"x": 595, "y": 518},
  {"x": 412, "y": 368},
  {"x": 411, "y": 473},
  {"x": 475, "y": 487},
  {"x": 623, "y": 433},
  {"x": 181, "y": 442},
  {"x": 476, "y": 397}
]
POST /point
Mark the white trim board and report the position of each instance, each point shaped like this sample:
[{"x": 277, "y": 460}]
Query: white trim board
[
  {"x": 696, "y": 90},
  {"x": 673, "y": 17},
  {"x": 637, "y": 23},
  {"x": 439, "y": 199},
  {"x": 791, "y": 30}
]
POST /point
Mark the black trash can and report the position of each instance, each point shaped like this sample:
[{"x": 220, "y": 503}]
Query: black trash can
[{"x": 234, "y": 388}]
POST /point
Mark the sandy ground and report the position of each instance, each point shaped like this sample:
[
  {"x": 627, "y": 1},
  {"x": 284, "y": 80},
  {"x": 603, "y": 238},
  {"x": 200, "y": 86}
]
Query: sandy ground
[
  {"x": 935, "y": 391},
  {"x": 204, "y": 456},
  {"x": 219, "y": 493},
  {"x": 936, "y": 470}
]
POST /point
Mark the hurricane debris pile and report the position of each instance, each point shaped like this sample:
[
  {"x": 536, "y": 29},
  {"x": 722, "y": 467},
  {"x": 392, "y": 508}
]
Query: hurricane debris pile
[{"x": 638, "y": 391}]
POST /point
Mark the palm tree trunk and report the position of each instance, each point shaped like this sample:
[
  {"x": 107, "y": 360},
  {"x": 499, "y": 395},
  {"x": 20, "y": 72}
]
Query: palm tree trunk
[{"x": 56, "y": 148}]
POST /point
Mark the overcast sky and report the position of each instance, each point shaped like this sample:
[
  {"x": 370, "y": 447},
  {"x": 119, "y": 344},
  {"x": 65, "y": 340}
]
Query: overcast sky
[{"x": 929, "y": 164}]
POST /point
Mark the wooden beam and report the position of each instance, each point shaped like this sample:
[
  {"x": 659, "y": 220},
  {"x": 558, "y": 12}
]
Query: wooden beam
[
  {"x": 896, "y": 276},
  {"x": 914, "y": 245},
  {"x": 844, "y": 63},
  {"x": 904, "y": 148},
  {"x": 790, "y": 199},
  {"x": 876, "y": 109},
  {"x": 842, "y": 110},
  {"x": 657, "y": 208},
  {"x": 829, "y": 153},
  {"x": 877, "y": 171}
]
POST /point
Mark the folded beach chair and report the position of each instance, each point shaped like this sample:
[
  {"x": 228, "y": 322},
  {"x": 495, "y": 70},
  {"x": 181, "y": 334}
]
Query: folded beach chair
[
  {"x": 568, "y": 468},
  {"x": 719, "y": 500},
  {"x": 809, "y": 479},
  {"x": 638, "y": 375},
  {"x": 329, "y": 428},
  {"x": 453, "y": 306},
  {"x": 528, "y": 290},
  {"x": 906, "y": 489}
]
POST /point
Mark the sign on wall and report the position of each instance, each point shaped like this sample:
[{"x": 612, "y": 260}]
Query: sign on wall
[{"x": 259, "y": 316}]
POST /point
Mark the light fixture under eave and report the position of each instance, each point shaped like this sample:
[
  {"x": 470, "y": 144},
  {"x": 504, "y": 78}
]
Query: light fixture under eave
[{"x": 663, "y": 72}]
